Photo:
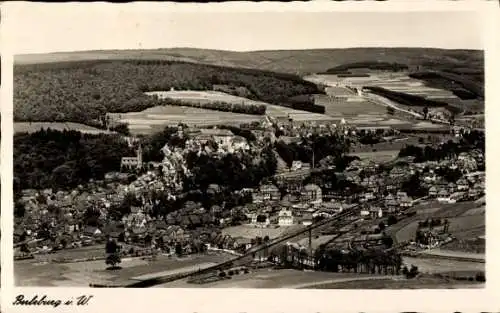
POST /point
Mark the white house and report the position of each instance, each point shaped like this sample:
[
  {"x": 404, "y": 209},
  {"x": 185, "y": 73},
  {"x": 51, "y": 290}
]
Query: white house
[{"x": 285, "y": 217}]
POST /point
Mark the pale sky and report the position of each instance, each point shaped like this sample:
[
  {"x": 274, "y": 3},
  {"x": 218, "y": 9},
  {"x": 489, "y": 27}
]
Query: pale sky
[{"x": 44, "y": 28}]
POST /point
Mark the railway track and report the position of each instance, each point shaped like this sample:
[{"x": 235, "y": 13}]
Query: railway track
[{"x": 337, "y": 220}]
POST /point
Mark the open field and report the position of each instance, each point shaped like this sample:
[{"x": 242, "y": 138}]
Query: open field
[
  {"x": 436, "y": 265},
  {"x": 399, "y": 82},
  {"x": 316, "y": 242},
  {"x": 154, "y": 118},
  {"x": 401, "y": 283},
  {"x": 296, "y": 279},
  {"x": 249, "y": 231},
  {"x": 270, "y": 278},
  {"x": 377, "y": 156},
  {"x": 77, "y": 253},
  {"x": 31, "y": 127},
  {"x": 459, "y": 224},
  {"x": 194, "y": 96},
  {"x": 349, "y": 106},
  {"x": 456, "y": 254},
  {"x": 396, "y": 82},
  {"x": 30, "y": 273},
  {"x": 475, "y": 211}
]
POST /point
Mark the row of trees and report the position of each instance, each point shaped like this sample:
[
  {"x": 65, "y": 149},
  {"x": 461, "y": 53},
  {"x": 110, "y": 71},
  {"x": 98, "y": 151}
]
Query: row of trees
[
  {"x": 373, "y": 65},
  {"x": 359, "y": 261},
  {"x": 244, "y": 107},
  {"x": 430, "y": 223},
  {"x": 85, "y": 91},
  {"x": 404, "y": 98}
]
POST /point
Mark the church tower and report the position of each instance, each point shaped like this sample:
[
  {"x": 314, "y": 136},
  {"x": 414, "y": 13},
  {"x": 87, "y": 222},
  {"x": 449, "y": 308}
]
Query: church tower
[{"x": 139, "y": 156}]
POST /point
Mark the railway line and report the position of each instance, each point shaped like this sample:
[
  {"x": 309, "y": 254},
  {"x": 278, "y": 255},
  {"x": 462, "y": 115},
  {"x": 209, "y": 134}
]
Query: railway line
[{"x": 338, "y": 220}]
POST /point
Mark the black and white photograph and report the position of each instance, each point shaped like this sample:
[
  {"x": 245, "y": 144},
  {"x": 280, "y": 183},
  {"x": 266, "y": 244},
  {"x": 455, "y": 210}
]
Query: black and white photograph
[{"x": 299, "y": 150}]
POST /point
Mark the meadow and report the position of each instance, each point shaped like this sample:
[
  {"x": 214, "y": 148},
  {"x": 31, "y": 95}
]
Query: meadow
[
  {"x": 460, "y": 215},
  {"x": 32, "y": 127},
  {"x": 155, "y": 118}
]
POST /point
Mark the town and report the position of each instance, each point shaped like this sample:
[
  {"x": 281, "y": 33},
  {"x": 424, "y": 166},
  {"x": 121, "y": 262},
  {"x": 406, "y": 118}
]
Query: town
[{"x": 369, "y": 181}]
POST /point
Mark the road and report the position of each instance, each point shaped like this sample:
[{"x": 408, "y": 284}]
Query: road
[{"x": 387, "y": 103}]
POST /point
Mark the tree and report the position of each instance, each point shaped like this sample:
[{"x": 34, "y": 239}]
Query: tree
[
  {"x": 113, "y": 253},
  {"x": 391, "y": 220},
  {"x": 19, "y": 210},
  {"x": 148, "y": 240},
  {"x": 113, "y": 259},
  {"x": 426, "y": 112},
  {"x": 387, "y": 241},
  {"x": 178, "y": 249},
  {"x": 261, "y": 218},
  {"x": 121, "y": 128}
]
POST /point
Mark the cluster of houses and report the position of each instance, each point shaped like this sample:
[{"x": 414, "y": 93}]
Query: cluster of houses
[
  {"x": 287, "y": 201},
  {"x": 226, "y": 141},
  {"x": 309, "y": 193},
  {"x": 468, "y": 187}
]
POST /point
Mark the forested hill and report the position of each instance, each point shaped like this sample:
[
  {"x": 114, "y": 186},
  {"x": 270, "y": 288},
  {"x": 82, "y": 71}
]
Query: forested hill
[
  {"x": 287, "y": 61},
  {"x": 84, "y": 91}
]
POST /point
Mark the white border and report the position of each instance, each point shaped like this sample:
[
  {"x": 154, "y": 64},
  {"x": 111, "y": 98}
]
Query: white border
[{"x": 278, "y": 300}]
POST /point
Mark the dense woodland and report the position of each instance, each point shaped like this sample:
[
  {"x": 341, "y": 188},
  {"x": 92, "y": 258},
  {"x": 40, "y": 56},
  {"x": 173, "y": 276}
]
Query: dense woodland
[
  {"x": 233, "y": 171},
  {"x": 60, "y": 160},
  {"x": 84, "y": 91}
]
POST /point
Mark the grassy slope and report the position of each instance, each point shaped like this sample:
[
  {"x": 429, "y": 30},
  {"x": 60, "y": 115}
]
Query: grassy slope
[{"x": 289, "y": 61}]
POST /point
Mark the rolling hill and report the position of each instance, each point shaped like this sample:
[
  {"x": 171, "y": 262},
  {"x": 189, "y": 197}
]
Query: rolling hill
[{"x": 286, "y": 61}]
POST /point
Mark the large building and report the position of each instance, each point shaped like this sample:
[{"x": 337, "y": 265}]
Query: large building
[{"x": 133, "y": 163}]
